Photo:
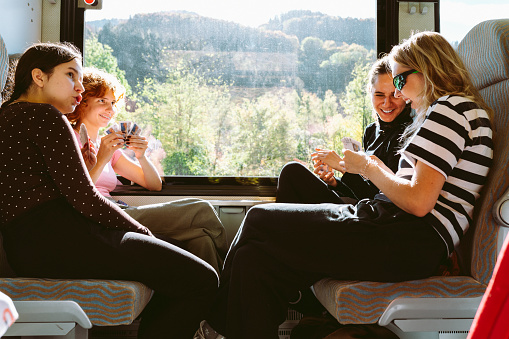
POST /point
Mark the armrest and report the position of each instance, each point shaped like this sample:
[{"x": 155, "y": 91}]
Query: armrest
[
  {"x": 501, "y": 210},
  {"x": 430, "y": 308},
  {"x": 45, "y": 311}
]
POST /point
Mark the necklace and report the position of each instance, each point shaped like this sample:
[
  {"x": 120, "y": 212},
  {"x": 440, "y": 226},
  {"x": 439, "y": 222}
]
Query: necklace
[{"x": 17, "y": 101}]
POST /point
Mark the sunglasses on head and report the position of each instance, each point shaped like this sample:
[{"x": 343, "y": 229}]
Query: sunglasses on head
[{"x": 400, "y": 80}]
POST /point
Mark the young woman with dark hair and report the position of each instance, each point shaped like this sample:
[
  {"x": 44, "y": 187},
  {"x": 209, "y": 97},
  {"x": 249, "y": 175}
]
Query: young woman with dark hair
[{"x": 55, "y": 224}]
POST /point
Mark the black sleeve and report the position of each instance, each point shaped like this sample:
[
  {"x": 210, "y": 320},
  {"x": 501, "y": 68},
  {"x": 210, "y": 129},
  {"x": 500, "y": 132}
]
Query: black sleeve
[
  {"x": 393, "y": 155},
  {"x": 52, "y": 134},
  {"x": 368, "y": 136}
]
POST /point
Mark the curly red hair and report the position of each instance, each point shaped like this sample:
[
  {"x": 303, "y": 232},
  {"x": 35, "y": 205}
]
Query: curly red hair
[{"x": 97, "y": 83}]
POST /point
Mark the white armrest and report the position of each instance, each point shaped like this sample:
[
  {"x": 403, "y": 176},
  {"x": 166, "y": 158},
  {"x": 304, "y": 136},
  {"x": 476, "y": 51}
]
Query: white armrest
[
  {"x": 46, "y": 311},
  {"x": 501, "y": 210},
  {"x": 430, "y": 308}
]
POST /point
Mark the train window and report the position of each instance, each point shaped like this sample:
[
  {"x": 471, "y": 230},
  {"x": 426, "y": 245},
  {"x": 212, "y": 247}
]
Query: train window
[
  {"x": 229, "y": 88},
  {"x": 458, "y": 17}
]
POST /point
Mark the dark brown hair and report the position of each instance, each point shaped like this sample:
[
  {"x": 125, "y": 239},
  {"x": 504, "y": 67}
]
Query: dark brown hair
[{"x": 44, "y": 56}]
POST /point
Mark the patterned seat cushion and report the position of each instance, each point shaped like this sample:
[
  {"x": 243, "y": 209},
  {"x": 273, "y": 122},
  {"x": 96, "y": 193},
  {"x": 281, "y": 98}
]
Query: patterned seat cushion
[
  {"x": 106, "y": 302},
  {"x": 485, "y": 52},
  {"x": 363, "y": 302}
]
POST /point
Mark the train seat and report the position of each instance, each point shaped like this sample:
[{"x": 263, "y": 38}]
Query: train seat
[
  {"x": 63, "y": 307},
  {"x": 444, "y": 306},
  {"x": 56, "y": 307}
]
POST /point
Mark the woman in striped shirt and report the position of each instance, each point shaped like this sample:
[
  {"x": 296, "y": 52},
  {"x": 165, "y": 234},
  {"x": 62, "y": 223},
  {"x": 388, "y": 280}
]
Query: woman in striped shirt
[{"x": 402, "y": 234}]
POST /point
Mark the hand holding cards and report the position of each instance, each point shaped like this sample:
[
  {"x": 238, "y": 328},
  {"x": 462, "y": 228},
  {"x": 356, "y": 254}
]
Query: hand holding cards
[{"x": 125, "y": 129}]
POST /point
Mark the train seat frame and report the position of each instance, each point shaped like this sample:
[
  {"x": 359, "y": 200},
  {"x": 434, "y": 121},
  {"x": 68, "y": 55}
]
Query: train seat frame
[{"x": 416, "y": 309}]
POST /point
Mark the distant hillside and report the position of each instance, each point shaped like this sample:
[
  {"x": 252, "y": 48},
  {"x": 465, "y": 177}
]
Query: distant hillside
[
  {"x": 255, "y": 57},
  {"x": 97, "y": 25},
  {"x": 180, "y": 30},
  {"x": 141, "y": 43},
  {"x": 189, "y": 31},
  {"x": 303, "y": 24}
]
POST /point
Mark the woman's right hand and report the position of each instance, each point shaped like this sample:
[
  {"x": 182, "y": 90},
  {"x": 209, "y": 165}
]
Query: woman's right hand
[
  {"x": 326, "y": 174},
  {"x": 109, "y": 144}
]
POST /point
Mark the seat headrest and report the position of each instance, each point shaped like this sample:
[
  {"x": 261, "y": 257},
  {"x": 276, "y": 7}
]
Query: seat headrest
[
  {"x": 485, "y": 52},
  {"x": 4, "y": 65}
]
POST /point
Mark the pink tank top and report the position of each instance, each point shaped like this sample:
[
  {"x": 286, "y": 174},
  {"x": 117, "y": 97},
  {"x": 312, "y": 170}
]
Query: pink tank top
[{"x": 108, "y": 179}]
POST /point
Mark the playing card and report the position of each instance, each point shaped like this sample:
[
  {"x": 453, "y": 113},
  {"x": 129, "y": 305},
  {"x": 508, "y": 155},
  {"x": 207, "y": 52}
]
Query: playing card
[
  {"x": 351, "y": 144},
  {"x": 135, "y": 130},
  {"x": 113, "y": 129},
  {"x": 83, "y": 134},
  {"x": 126, "y": 127}
]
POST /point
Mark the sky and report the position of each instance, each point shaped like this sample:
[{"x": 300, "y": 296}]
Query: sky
[
  {"x": 457, "y": 16},
  {"x": 249, "y": 13}
]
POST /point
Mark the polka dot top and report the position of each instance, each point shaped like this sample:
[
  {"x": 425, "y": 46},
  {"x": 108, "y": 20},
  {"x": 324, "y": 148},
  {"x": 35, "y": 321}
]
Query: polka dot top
[{"x": 40, "y": 161}]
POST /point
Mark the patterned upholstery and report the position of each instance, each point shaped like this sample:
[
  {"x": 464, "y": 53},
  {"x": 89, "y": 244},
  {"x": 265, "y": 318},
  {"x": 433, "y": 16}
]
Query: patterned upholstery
[
  {"x": 485, "y": 51},
  {"x": 106, "y": 302},
  {"x": 370, "y": 299}
]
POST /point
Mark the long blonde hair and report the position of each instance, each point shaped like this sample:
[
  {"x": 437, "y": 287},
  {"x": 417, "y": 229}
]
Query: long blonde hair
[{"x": 443, "y": 70}]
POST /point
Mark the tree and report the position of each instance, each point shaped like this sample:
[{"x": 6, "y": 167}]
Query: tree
[
  {"x": 356, "y": 102},
  {"x": 185, "y": 113},
  {"x": 263, "y": 135},
  {"x": 311, "y": 56},
  {"x": 101, "y": 57},
  {"x": 336, "y": 72}
]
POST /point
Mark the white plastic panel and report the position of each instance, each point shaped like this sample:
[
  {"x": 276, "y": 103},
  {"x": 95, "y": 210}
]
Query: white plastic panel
[
  {"x": 20, "y": 23},
  {"x": 49, "y": 311},
  {"x": 427, "y": 325},
  {"x": 430, "y": 308},
  {"x": 40, "y": 329}
]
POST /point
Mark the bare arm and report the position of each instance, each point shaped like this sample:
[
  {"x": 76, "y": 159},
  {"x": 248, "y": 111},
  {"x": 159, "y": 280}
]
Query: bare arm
[
  {"x": 417, "y": 196},
  {"x": 144, "y": 174}
]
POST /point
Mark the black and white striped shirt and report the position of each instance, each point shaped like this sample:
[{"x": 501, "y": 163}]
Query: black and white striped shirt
[{"x": 456, "y": 140}]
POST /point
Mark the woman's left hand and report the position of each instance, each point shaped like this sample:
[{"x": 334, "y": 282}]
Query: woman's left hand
[
  {"x": 89, "y": 154},
  {"x": 327, "y": 157},
  {"x": 326, "y": 174},
  {"x": 137, "y": 144},
  {"x": 356, "y": 162}
]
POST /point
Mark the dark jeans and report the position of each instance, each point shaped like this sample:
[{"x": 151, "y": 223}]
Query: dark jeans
[
  {"x": 297, "y": 184},
  {"x": 283, "y": 248},
  {"x": 53, "y": 240}
]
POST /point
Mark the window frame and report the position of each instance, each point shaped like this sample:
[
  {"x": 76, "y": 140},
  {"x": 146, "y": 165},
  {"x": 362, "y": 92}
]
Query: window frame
[{"x": 72, "y": 23}]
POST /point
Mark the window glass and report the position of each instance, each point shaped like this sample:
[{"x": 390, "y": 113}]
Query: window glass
[
  {"x": 457, "y": 17},
  {"x": 237, "y": 88}
]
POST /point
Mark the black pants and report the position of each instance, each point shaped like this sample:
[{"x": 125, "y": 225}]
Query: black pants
[
  {"x": 283, "y": 248},
  {"x": 54, "y": 241},
  {"x": 297, "y": 184}
]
